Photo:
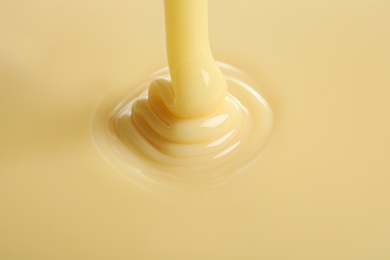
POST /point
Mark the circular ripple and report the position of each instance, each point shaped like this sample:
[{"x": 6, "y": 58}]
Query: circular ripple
[{"x": 166, "y": 148}]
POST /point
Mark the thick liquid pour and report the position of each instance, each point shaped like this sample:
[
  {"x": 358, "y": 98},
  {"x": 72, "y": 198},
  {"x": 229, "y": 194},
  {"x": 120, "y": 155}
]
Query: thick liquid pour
[
  {"x": 187, "y": 120},
  {"x": 198, "y": 85}
]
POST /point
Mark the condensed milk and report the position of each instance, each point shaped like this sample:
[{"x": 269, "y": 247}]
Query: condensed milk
[{"x": 317, "y": 189}]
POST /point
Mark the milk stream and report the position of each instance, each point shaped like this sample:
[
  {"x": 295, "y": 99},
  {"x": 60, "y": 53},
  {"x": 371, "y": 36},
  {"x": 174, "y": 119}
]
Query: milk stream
[{"x": 196, "y": 118}]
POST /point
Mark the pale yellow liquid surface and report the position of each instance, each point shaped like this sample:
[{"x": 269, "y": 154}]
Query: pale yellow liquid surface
[{"x": 319, "y": 189}]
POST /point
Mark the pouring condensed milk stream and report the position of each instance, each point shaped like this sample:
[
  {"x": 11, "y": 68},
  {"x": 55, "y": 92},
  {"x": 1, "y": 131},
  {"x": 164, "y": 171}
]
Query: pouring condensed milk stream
[{"x": 193, "y": 122}]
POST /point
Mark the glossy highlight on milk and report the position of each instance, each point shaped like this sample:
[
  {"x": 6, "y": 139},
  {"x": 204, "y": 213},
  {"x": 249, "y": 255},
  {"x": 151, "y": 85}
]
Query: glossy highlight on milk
[{"x": 195, "y": 117}]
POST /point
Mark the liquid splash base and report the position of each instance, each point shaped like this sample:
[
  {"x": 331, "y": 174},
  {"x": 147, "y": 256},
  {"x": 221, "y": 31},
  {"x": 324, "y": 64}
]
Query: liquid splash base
[{"x": 142, "y": 137}]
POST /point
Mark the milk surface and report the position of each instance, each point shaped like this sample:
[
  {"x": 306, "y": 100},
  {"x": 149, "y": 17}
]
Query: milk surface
[{"x": 319, "y": 190}]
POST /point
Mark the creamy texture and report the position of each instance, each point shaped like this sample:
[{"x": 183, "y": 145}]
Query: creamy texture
[
  {"x": 185, "y": 124},
  {"x": 142, "y": 133},
  {"x": 198, "y": 85},
  {"x": 319, "y": 190}
]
